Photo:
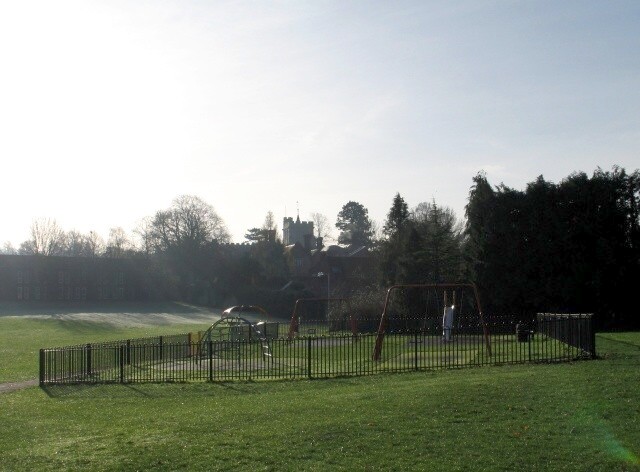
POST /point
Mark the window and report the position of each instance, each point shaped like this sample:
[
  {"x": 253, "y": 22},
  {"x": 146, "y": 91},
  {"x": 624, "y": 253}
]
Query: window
[
  {"x": 19, "y": 294},
  {"x": 19, "y": 276},
  {"x": 36, "y": 292}
]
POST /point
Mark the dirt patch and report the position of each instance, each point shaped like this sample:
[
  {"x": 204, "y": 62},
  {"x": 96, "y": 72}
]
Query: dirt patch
[{"x": 13, "y": 386}]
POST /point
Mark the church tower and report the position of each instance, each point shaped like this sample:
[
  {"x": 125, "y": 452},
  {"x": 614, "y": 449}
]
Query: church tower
[{"x": 297, "y": 232}]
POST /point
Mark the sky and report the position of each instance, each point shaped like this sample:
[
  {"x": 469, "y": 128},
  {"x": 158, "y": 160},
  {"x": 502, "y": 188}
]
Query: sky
[{"x": 111, "y": 109}]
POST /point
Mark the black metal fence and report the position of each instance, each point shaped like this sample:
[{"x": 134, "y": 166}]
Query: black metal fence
[
  {"x": 183, "y": 358},
  {"x": 574, "y": 329}
]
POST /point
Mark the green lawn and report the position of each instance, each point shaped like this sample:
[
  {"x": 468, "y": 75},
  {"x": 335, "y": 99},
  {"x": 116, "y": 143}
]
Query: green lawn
[
  {"x": 574, "y": 416},
  {"x": 24, "y": 330}
]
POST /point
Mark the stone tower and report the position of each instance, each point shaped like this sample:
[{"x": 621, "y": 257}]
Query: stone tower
[{"x": 295, "y": 231}]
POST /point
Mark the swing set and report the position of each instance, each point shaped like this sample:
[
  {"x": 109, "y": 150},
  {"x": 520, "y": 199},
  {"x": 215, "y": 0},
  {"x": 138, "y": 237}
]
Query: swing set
[{"x": 436, "y": 295}]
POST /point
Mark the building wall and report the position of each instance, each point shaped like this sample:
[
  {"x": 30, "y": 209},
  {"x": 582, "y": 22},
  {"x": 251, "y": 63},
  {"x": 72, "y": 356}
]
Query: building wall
[
  {"x": 42, "y": 278},
  {"x": 298, "y": 258}
]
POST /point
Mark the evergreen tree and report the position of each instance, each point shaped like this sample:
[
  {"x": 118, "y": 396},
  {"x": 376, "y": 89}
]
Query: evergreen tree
[
  {"x": 255, "y": 235},
  {"x": 425, "y": 248},
  {"x": 567, "y": 247},
  {"x": 397, "y": 216},
  {"x": 354, "y": 225},
  {"x": 390, "y": 249}
]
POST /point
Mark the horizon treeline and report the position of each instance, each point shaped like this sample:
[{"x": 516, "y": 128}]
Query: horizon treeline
[
  {"x": 572, "y": 246},
  {"x": 567, "y": 247}
]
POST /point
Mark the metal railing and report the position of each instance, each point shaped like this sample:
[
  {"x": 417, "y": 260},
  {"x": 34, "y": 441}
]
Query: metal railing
[
  {"x": 182, "y": 358},
  {"x": 575, "y": 329}
]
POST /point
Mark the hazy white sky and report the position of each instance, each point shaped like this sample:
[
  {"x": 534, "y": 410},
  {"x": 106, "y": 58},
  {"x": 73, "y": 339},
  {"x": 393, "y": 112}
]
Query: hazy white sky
[{"x": 110, "y": 109}]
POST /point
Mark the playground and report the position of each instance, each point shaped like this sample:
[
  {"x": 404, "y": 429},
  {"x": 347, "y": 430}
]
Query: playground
[
  {"x": 329, "y": 338},
  {"x": 524, "y": 417}
]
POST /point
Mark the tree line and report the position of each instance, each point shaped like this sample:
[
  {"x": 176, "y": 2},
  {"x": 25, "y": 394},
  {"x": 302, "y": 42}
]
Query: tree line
[
  {"x": 570, "y": 247},
  {"x": 573, "y": 246},
  {"x": 567, "y": 247}
]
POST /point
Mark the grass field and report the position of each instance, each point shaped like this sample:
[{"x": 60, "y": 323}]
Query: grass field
[
  {"x": 576, "y": 416},
  {"x": 26, "y": 329}
]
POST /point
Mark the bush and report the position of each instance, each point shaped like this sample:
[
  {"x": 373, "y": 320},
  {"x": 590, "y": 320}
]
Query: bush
[{"x": 366, "y": 305}]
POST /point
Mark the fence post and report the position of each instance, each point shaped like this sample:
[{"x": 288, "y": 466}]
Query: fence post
[
  {"x": 415, "y": 351},
  {"x": 122, "y": 353},
  {"x": 88, "y": 359},
  {"x": 128, "y": 351},
  {"x": 309, "y": 357},
  {"x": 592, "y": 335},
  {"x": 161, "y": 348},
  {"x": 42, "y": 367},
  {"x": 210, "y": 361}
]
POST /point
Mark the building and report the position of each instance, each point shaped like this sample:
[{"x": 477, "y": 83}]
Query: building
[
  {"x": 330, "y": 271},
  {"x": 339, "y": 270},
  {"x": 297, "y": 231},
  {"x": 56, "y": 278}
]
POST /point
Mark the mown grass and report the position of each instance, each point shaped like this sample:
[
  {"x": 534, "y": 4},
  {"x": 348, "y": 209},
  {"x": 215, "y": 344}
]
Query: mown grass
[
  {"x": 23, "y": 332},
  {"x": 575, "y": 416}
]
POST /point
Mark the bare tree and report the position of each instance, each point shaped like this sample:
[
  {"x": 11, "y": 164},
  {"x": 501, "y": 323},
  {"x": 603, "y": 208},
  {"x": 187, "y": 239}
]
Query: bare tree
[
  {"x": 189, "y": 222},
  {"x": 118, "y": 243},
  {"x": 76, "y": 244},
  {"x": 270, "y": 227},
  {"x": 47, "y": 239},
  {"x": 7, "y": 248},
  {"x": 270, "y": 222},
  {"x": 322, "y": 226},
  {"x": 377, "y": 231},
  {"x": 95, "y": 244},
  {"x": 144, "y": 235},
  {"x": 423, "y": 213}
]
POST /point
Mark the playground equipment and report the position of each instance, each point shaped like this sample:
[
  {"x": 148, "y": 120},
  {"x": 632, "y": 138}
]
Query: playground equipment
[
  {"x": 332, "y": 323},
  {"x": 225, "y": 337},
  {"x": 435, "y": 295},
  {"x": 254, "y": 310}
]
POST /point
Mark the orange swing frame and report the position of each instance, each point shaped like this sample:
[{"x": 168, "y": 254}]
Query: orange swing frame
[{"x": 384, "y": 319}]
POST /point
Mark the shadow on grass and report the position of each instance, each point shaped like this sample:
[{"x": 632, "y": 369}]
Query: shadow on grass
[
  {"x": 53, "y": 308},
  {"x": 150, "y": 390}
]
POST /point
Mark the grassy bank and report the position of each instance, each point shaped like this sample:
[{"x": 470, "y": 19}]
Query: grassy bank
[
  {"x": 580, "y": 416},
  {"x": 24, "y": 329}
]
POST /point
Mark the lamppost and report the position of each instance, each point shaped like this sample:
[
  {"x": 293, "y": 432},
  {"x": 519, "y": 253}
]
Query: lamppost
[{"x": 322, "y": 274}]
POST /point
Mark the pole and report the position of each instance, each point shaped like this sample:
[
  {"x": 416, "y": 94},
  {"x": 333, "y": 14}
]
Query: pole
[
  {"x": 309, "y": 357},
  {"x": 122, "y": 354},
  {"x": 328, "y": 295},
  {"x": 328, "y": 285},
  {"x": 42, "y": 367},
  {"x": 88, "y": 359}
]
